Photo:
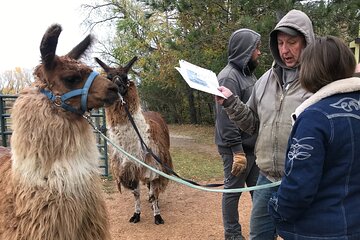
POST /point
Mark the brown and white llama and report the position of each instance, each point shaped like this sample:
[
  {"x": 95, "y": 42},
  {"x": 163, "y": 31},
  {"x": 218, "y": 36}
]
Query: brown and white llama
[
  {"x": 50, "y": 186},
  {"x": 154, "y": 132}
]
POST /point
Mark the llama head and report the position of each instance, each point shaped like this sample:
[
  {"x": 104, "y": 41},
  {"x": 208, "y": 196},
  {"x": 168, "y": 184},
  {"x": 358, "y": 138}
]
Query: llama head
[
  {"x": 68, "y": 82},
  {"x": 119, "y": 75}
]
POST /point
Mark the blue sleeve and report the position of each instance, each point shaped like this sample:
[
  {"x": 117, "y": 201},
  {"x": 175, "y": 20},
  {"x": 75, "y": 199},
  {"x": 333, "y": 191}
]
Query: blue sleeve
[{"x": 303, "y": 167}]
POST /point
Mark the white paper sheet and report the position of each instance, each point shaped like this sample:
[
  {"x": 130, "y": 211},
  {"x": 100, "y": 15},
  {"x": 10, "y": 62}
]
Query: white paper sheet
[{"x": 199, "y": 78}]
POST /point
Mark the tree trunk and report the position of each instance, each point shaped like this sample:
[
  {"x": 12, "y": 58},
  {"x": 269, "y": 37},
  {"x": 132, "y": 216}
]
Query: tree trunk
[{"x": 192, "y": 108}]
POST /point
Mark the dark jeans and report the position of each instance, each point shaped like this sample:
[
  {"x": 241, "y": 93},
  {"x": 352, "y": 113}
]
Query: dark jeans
[
  {"x": 262, "y": 226},
  {"x": 230, "y": 201}
]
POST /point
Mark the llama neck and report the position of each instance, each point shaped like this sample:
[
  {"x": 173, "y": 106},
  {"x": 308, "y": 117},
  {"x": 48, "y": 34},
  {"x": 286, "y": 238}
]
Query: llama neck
[
  {"x": 49, "y": 149},
  {"x": 116, "y": 112},
  {"x": 124, "y": 134}
]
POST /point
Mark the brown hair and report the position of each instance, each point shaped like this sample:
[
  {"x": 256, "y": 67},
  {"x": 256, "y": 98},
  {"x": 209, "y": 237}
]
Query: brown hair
[{"x": 326, "y": 60}]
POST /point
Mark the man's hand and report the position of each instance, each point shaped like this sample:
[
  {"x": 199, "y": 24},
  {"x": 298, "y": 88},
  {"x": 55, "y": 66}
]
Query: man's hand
[
  {"x": 239, "y": 164},
  {"x": 227, "y": 93}
]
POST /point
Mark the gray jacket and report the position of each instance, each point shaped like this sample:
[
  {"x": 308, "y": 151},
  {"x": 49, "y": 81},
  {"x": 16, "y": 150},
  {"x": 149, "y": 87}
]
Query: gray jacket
[
  {"x": 238, "y": 77},
  {"x": 269, "y": 109}
]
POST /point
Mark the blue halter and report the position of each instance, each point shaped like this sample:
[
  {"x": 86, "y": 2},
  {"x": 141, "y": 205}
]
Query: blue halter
[{"x": 60, "y": 100}]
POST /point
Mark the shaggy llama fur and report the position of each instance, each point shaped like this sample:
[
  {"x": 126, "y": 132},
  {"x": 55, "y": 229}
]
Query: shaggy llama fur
[
  {"x": 50, "y": 186},
  {"x": 154, "y": 131}
]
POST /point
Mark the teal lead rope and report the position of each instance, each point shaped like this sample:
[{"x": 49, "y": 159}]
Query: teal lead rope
[{"x": 176, "y": 179}]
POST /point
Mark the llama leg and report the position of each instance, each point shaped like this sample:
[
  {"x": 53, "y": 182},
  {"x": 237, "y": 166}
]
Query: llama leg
[
  {"x": 151, "y": 192},
  {"x": 154, "y": 199},
  {"x": 136, "y": 217}
]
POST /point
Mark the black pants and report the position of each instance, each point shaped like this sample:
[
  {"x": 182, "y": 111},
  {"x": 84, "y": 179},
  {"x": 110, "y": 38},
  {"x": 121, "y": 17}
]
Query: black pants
[{"x": 230, "y": 201}]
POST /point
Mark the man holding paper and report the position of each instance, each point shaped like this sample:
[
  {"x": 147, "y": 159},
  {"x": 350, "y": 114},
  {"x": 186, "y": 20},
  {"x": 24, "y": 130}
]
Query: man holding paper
[
  {"x": 268, "y": 112},
  {"x": 236, "y": 147}
]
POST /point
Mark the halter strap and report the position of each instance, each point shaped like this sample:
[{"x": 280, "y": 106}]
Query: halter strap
[{"x": 59, "y": 100}]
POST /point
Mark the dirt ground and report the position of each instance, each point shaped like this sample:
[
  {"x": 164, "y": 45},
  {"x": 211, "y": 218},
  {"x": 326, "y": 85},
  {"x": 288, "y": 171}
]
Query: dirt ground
[{"x": 188, "y": 213}]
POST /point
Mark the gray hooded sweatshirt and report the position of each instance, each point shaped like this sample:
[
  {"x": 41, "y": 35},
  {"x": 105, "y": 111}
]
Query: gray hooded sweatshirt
[
  {"x": 269, "y": 109},
  {"x": 238, "y": 77}
]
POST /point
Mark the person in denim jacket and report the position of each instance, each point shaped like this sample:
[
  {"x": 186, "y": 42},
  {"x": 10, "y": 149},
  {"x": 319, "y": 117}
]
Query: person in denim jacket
[{"x": 319, "y": 196}]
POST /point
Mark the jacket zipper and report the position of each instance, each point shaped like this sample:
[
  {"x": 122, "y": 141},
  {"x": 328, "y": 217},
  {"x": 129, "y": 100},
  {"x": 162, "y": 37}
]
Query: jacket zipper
[{"x": 276, "y": 131}]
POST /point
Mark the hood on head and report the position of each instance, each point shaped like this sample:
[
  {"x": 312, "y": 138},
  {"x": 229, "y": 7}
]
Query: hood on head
[
  {"x": 242, "y": 44},
  {"x": 295, "y": 22}
]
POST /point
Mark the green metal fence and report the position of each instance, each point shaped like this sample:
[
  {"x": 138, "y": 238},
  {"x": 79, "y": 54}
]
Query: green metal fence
[{"x": 98, "y": 117}]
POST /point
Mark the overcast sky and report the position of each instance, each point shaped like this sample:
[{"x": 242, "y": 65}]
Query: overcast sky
[{"x": 24, "y": 22}]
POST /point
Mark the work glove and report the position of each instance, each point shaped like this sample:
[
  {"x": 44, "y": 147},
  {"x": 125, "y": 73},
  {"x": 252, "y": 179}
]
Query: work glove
[{"x": 239, "y": 164}]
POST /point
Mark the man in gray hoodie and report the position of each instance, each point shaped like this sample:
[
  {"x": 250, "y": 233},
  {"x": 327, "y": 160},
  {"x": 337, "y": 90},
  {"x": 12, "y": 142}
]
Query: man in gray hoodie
[
  {"x": 236, "y": 147},
  {"x": 268, "y": 111}
]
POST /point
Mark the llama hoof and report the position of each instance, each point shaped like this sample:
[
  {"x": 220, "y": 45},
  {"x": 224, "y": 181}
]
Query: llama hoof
[
  {"x": 158, "y": 219},
  {"x": 135, "y": 218}
]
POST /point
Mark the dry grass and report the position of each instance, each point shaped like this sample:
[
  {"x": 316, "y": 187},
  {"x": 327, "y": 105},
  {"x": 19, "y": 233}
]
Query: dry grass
[
  {"x": 194, "y": 152},
  {"x": 203, "y": 134}
]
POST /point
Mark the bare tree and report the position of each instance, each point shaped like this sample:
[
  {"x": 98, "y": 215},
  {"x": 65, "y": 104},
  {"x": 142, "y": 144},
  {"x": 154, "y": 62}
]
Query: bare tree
[{"x": 12, "y": 81}]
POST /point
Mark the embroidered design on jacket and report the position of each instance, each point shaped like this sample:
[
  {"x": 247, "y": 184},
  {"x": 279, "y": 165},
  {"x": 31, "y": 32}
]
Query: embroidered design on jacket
[
  {"x": 298, "y": 151},
  {"x": 347, "y": 104}
]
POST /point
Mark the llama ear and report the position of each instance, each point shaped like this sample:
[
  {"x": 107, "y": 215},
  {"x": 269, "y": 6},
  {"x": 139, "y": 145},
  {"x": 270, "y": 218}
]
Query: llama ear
[
  {"x": 102, "y": 64},
  {"x": 129, "y": 65},
  {"x": 80, "y": 49},
  {"x": 48, "y": 45}
]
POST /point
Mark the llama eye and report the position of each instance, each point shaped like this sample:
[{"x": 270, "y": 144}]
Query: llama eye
[
  {"x": 72, "y": 79},
  {"x": 110, "y": 76}
]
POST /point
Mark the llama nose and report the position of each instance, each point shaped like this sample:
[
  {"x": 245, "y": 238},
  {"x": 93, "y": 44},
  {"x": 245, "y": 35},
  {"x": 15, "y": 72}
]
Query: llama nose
[
  {"x": 114, "y": 88},
  {"x": 117, "y": 81},
  {"x": 112, "y": 94}
]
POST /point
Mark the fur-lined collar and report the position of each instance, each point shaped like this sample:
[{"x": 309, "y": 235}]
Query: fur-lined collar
[{"x": 340, "y": 86}]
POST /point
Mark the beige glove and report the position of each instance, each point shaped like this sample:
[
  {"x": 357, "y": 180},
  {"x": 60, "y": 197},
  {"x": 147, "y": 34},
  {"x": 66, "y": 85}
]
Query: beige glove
[{"x": 239, "y": 164}]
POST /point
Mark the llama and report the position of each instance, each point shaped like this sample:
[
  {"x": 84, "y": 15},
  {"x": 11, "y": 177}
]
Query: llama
[
  {"x": 154, "y": 132},
  {"x": 50, "y": 185}
]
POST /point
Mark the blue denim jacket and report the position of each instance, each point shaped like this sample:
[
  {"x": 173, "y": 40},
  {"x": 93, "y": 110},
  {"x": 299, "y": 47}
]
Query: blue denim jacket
[{"x": 319, "y": 197}]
